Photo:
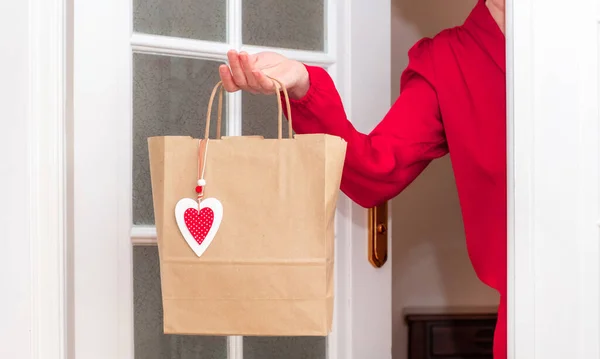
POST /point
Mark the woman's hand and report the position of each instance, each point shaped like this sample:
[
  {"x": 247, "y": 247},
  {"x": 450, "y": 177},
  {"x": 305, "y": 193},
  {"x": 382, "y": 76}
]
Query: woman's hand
[{"x": 250, "y": 73}]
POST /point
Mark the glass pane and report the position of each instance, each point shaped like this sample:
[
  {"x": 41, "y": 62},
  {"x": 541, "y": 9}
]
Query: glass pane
[
  {"x": 285, "y": 347},
  {"x": 150, "y": 342},
  {"x": 259, "y": 116},
  {"x": 170, "y": 96},
  {"x": 194, "y": 19},
  {"x": 284, "y": 23}
]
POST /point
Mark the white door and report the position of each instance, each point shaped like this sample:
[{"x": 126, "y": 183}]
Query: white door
[
  {"x": 554, "y": 249},
  {"x": 146, "y": 68}
]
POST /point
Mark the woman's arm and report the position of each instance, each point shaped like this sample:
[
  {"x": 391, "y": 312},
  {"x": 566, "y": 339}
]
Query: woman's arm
[
  {"x": 381, "y": 164},
  {"x": 378, "y": 165}
]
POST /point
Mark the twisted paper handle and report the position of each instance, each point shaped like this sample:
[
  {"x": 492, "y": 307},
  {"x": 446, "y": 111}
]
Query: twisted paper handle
[{"x": 278, "y": 88}]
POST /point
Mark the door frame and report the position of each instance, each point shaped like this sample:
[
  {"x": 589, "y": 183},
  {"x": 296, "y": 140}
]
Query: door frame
[
  {"x": 554, "y": 254},
  {"x": 49, "y": 138},
  {"x": 57, "y": 232}
]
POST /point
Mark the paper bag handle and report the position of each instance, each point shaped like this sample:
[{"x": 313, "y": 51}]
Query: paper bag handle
[{"x": 278, "y": 87}]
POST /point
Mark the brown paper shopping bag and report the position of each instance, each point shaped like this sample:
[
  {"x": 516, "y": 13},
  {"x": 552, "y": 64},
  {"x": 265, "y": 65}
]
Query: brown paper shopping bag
[{"x": 268, "y": 270}]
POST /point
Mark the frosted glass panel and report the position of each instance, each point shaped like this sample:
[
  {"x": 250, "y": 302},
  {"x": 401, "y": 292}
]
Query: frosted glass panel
[
  {"x": 195, "y": 19},
  {"x": 284, "y": 23},
  {"x": 170, "y": 96},
  {"x": 285, "y": 347},
  {"x": 259, "y": 116},
  {"x": 150, "y": 342}
]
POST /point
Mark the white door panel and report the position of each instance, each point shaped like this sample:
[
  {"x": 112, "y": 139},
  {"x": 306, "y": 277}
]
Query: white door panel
[
  {"x": 145, "y": 69},
  {"x": 553, "y": 165}
]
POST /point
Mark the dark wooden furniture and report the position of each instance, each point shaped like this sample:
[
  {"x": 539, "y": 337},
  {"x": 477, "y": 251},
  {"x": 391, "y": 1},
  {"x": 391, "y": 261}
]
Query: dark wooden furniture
[{"x": 450, "y": 336}]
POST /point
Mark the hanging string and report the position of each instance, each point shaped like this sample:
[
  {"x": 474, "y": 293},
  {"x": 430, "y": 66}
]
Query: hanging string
[{"x": 202, "y": 155}]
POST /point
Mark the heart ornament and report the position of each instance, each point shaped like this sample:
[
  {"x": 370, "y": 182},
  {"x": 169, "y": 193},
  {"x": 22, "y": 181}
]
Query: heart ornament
[{"x": 199, "y": 222}]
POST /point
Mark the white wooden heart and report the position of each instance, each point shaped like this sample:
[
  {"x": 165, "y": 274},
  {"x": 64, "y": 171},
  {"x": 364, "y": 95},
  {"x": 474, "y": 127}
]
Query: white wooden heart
[{"x": 199, "y": 225}]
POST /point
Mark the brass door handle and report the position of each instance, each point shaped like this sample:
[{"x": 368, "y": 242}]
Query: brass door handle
[{"x": 378, "y": 235}]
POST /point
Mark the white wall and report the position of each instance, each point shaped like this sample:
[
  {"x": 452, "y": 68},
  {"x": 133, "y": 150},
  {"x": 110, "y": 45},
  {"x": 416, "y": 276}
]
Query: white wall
[
  {"x": 15, "y": 273},
  {"x": 430, "y": 263}
]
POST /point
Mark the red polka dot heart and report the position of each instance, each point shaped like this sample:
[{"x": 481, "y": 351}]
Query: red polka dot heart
[{"x": 199, "y": 225}]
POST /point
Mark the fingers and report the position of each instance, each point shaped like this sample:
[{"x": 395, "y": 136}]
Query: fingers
[
  {"x": 242, "y": 74},
  {"x": 236, "y": 69},
  {"x": 227, "y": 79},
  {"x": 248, "y": 69}
]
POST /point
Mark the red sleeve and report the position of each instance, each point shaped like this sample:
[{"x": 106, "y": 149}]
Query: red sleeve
[{"x": 381, "y": 164}]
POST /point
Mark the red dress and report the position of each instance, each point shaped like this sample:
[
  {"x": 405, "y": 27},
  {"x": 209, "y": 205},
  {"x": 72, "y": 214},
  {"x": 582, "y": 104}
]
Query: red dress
[{"x": 452, "y": 100}]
